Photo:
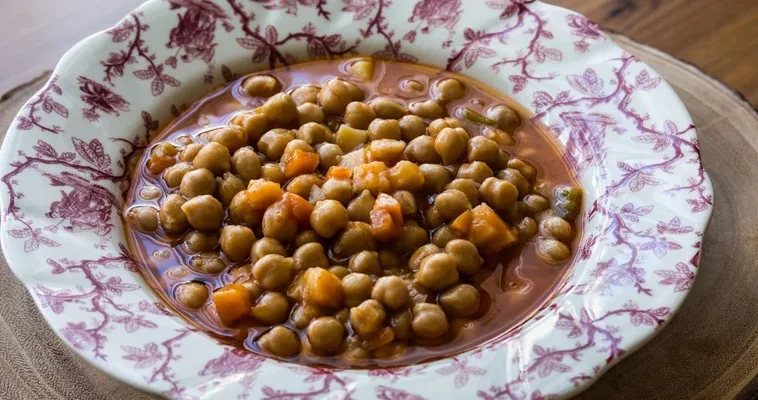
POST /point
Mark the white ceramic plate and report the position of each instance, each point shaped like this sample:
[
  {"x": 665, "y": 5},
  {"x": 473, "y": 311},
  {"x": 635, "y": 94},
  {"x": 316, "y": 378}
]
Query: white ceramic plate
[{"x": 630, "y": 139}]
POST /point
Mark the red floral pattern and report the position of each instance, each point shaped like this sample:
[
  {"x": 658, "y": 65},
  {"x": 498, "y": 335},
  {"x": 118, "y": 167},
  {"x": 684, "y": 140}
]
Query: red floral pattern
[{"x": 648, "y": 197}]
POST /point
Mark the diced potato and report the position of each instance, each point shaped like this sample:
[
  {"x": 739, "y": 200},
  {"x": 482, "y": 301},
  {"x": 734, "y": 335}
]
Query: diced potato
[
  {"x": 337, "y": 172},
  {"x": 262, "y": 193},
  {"x": 363, "y": 70},
  {"x": 322, "y": 288},
  {"x": 406, "y": 175},
  {"x": 301, "y": 162},
  {"x": 348, "y": 138},
  {"x": 353, "y": 159},
  {"x": 232, "y": 302},
  {"x": 372, "y": 176},
  {"x": 488, "y": 231},
  {"x": 386, "y": 218},
  {"x": 300, "y": 208},
  {"x": 387, "y": 150},
  {"x": 462, "y": 224}
]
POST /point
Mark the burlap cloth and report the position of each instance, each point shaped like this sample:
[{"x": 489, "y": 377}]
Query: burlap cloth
[{"x": 708, "y": 350}]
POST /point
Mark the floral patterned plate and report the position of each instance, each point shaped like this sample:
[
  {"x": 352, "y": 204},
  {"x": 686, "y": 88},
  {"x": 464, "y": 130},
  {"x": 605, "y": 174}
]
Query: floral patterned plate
[{"x": 627, "y": 135}]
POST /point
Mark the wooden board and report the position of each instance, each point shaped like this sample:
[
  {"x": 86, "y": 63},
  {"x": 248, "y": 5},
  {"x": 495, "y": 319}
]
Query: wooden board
[{"x": 708, "y": 351}]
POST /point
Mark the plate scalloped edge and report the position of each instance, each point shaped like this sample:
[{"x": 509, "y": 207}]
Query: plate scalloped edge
[{"x": 628, "y": 136}]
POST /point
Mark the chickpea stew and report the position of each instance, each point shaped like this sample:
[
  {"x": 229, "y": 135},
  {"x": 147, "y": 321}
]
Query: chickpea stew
[{"x": 354, "y": 213}]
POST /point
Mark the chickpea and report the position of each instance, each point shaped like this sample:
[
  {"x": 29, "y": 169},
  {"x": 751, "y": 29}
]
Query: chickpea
[
  {"x": 421, "y": 151},
  {"x": 289, "y": 149},
  {"x": 555, "y": 227},
  {"x": 460, "y": 300},
  {"x": 441, "y": 123},
  {"x": 328, "y": 217},
  {"x": 305, "y": 237},
  {"x": 428, "y": 109},
  {"x": 329, "y": 155},
  {"x": 451, "y": 203},
  {"x": 303, "y": 314},
  {"x": 384, "y": 129},
  {"x": 310, "y": 255},
  {"x": 391, "y": 291},
  {"x": 302, "y": 185},
  {"x": 314, "y": 133},
  {"x": 213, "y": 157},
  {"x": 449, "y": 89},
  {"x": 204, "y": 213},
  {"x": 477, "y": 171},
  {"x": 273, "y": 271},
  {"x": 359, "y": 115},
  {"x": 469, "y": 187},
  {"x": 367, "y": 317},
  {"x": 438, "y": 272},
  {"x": 339, "y": 271},
  {"x": 261, "y": 86},
  {"x": 192, "y": 294},
  {"x": 309, "y": 113},
  {"x": 173, "y": 175},
  {"x": 228, "y": 187},
  {"x": 265, "y": 246},
  {"x": 280, "y": 109},
  {"x": 387, "y": 108},
  {"x": 232, "y": 137},
  {"x": 429, "y": 321},
  {"x": 411, "y": 127},
  {"x": 145, "y": 218},
  {"x": 451, "y": 144},
  {"x": 246, "y": 164},
  {"x": 197, "y": 183},
  {"x": 306, "y": 94},
  {"x": 524, "y": 167},
  {"x": 432, "y": 217},
  {"x": 208, "y": 263},
  {"x": 272, "y": 172},
  {"x": 467, "y": 258},
  {"x": 236, "y": 242},
  {"x": 273, "y": 142},
  {"x": 390, "y": 261},
  {"x": 535, "y": 204},
  {"x": 499, "y": 194},
  {"x": 436, "y": 177},
  {"x": 360, "y": 207},
  {"x": 162, "y": 156},
  {"x": 337, "y": 94},
  {"x": 253, "y": 288},
  {"x": 172, "y": 217},
  {"x": 482, "y": 149},
  {"x": 188, "y": 153},
  {"x": 357, "y": 288},
  {"x": 505, "y": 118},
  {"x": 198, "y": 242},
  {"x": 527, "y": 228},
  {"x": 279, "y": 223},
  {"x": 552, "y": 251},
  {"x": 407, "y": 202},
  {"x": 340, "y": 190},
  {"x": 241, "y": 213},
  {"x": 401, "y": 324},
  {"x": 272, "y": 308},
  {"x": 443, "y": 235},
  {"x": 280, "y": 341},
  {"x": 366, "y": 262},
  {"x": 325, "y": 334},
  {"x": 252, "y": 123},
  {"x": 412, "y": 237},
  {"x": 421, "y": 253},
  {"x": 355, "y": 238},
  {"x": 500, "y": 137}
]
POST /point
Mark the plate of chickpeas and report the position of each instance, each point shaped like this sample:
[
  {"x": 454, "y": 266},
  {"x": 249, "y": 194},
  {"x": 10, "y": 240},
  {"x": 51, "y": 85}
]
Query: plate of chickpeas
[{"x": 306, "y": 214}]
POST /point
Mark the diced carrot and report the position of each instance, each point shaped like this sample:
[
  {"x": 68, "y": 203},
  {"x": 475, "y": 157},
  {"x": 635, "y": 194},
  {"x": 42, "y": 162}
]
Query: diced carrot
[
  {"x": 462, "y": 224},
  {"x": 300, "y": 208},
  {"x": 322, "y": 288},
  {"x": 232, "y": 302},
  {"x": 406, "y": 175},
  {"x": 488, "y": 231},
  {"x": 262, "y": 193},
  {"x": 338, "y": 172},
  {"x": 386, "y": 218},
  {"x": 301, "y": 162},
  {"x": 371, "y": 176}
]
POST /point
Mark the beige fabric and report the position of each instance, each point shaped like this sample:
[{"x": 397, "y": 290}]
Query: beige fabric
[{"x": 707, "y": 351}]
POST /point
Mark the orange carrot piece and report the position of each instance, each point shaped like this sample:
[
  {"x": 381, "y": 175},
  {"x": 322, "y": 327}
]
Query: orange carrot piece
[
  {"x": 322, "y": 288},
  {"x": 262, "y": 193},
  {"x": 301, "y": 162},
  {"x": 300, "y": 208},
  {"x": 232, "y": 302},
  {"x": 462, "y": 224},
  {"x": 338, "y": 172},
  {"x": 488, "y": 231}
]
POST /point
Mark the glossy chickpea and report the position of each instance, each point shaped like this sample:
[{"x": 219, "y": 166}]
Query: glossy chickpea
[
  {"x": 314, "y": 133},
  {"x": 414, "y": 263},
  {"x": 401, "y": 324},
  {"x": 391, "y": 291},
  {"x": 241, "y": 213},
  {"x": 499, "y": 194},
  {"x": 328, "y": 218},
  {"x": 329, "y": 155},
  {"x": 192, "y": 294},
  {"x": 429, "y": 321},
  {"x": 460, "y": 301},
  {"x": 477, "y": 171},
  {"x": 261, "y": 86},
  {"x": 303, "y": 314},
  {"x": 172, "y": 217},
  {"x": 339, "y": 271},
  {"x": 306, "y": 94},
  {"x": 444, "y": 235},
  {"x": 411, "y": 127},
  {"x": 271, "y": 308},
  {"x": 387, "y": 108},
  {"x": 366, "y": 262},
  {"x": 236, "y": 242},
  {"x": 325, "y": 334},
  {"x": 289, "y": 149},
  {"x": 482, "y": 149},
  {"x": 309, "y": 113},
  {"x": 231, "y": 137},
  {"x": 436, "y": 126},
  {"x": 384, "y": 129},
  {"x": 273, "y": 271},
  {"x": 505, "y": 118},
  {"x": 390, "y": 261},
  {"x": 359, "y": 115},
  {"x": 252, "y": 123},
  {"x": 338, "y": 189},
  {"x": 310, "y": 255},
  {"x": 524, "y": 167},
  {"x": 432, "y": 217},
  {"x": 356, "y": 237},
  {"x": 436, "y": 177},
  {"x": 199, "y": 242},
  {"x": 204, "y": 213},
  {"x": 280, "y": 109},
  {"x": 246, "y": 164},
  {"x": 280, "y": 342},
  {"x": 302, "y": 185},
  {"x": 421, "y": 150},
  {"x": 451, "y": 203},
  {"x": 451, "y": 144},
  {"x": 449, "y": 89},
  {"x": 360, "y": 207},
  {"x": 438, "y": 272},
  {"x": 173, "y": 175},
  {"x": 527, "y": 228},
  {"x": 466, "y": 255},
  {"x": 189, "y": 152},
  {"x": 469, "y": 187},
  {"x": 368, "y": 317},
  {"x": 273, "y": 142},
  {"x": 279, "y": 223},
  {"x": 411, "y": 238},
  {"x": 145, "y": 219},
  {"x": 535, "y": 204},
  {"x": 213, "y": 157},
  {"x": 162, "y": 156},
  {"x": 430, "y": 109},
  {"x": 273, "y": 172},
  {"x": 516, "y": 179},
  {"x": 337, "y": 94},
  {"x": 555, "y": 227},
  {"x": 227, "y": 187},
  {"x": 407, "y": 202},
  {"x": 357, "y": 288},
  {"x": 307, "y": 236},
  {"x": 265, "y": 246},
  {"x": 552, "y": 251},
  {"x": 208, "y": 263},
  {"x": 498, "y": 136},
  {"x": 197, "y": 183}
]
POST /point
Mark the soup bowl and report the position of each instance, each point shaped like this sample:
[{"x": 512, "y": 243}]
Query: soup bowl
[{"x": 626, "y": 135}]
